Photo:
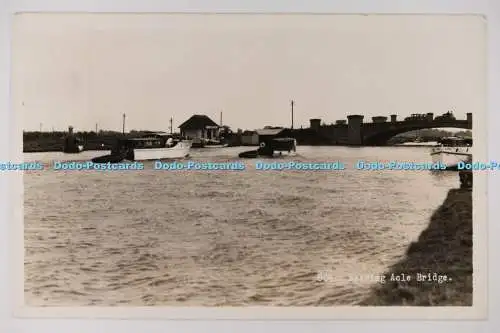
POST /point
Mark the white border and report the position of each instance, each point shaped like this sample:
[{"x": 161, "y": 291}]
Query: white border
[
  {"x": 477, "y": 311},
  {"x": 310, "y": 6}
]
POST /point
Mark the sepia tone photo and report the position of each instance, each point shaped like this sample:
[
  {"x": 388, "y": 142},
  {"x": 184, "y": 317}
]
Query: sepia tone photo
[{"x": 258, "y": 160}]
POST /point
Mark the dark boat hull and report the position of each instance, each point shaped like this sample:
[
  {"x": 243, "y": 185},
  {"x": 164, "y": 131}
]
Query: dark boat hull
[
  {"x": 258, "y": 154},
  {"x": 112, "y": 158},
  {"x": 249, "y": 154}
]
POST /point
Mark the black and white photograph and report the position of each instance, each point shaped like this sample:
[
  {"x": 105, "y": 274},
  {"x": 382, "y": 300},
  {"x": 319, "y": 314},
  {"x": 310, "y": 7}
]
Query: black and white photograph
[{"x": 250, "y": 160}]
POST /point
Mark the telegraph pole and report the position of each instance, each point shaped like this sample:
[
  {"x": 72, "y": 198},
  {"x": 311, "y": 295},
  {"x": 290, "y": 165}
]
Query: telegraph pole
[
  {"x": 292, "y": 103},
  {"x": 123, "y": 126},
  {"x": 171, "y": 127}
]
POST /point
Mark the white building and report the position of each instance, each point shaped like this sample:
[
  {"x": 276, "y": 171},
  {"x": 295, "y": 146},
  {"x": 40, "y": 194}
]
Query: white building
[{"x": 199, "y": 127}]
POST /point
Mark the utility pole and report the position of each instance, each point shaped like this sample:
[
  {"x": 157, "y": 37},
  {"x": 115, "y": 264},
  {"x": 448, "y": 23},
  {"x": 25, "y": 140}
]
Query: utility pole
[
  {"x": 171, "y": 127},
  {"x": 123, "y": 126},
  {"x": 95, "y": 128},
  {"x": 221, "y": 118},
  {"x": 40, "y": 127},
  {"x": 292, "y": 103}
]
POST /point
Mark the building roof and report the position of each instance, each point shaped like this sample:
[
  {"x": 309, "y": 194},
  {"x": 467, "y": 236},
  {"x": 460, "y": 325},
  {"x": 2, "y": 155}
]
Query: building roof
[
  {"x": 249, "y": 132},
  {"x": 197, "y": 121},
  {"x": 270, "y": 131}
]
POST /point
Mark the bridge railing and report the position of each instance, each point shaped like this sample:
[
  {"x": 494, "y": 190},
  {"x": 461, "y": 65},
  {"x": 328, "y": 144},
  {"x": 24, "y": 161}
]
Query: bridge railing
[{"x": 419, "y": 122}]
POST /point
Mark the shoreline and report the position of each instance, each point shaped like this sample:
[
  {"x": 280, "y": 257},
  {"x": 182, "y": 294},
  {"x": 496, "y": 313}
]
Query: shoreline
[
  {"x": 58, "y": 148},
  {"x": 444, "y": 248}
]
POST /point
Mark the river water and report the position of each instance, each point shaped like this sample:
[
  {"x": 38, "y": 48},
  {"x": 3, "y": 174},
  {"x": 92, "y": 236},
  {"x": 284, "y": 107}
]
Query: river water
[{"x": 218, "y": 238}]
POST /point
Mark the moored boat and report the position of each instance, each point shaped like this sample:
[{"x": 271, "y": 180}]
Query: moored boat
[
  {"x": 452, "y": 151},
  {"x": 151, "y": 147},
  {"x": 272, "y": 148}
]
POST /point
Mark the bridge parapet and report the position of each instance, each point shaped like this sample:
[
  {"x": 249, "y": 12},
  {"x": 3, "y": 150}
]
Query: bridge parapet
[
  {"x": 354, "y": 134},
  {"x": 469, "y": 119}
]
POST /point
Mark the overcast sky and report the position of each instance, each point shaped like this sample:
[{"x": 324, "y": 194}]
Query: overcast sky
[{"x": 83, "y": 69}]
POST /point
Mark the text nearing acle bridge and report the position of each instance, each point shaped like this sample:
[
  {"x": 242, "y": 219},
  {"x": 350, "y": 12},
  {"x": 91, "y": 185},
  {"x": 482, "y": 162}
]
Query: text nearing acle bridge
[{"x": 420, "y": 277}]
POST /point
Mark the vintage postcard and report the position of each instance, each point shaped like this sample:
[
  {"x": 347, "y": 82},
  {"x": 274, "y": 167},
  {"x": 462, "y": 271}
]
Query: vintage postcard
[{"x": 265, "y": 166}]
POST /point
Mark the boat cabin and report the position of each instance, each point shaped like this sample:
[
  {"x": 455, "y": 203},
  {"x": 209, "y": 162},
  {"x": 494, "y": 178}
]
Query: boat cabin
[
  {"x": 149, "y": 141},
  {"x": 268, "y": 134}
]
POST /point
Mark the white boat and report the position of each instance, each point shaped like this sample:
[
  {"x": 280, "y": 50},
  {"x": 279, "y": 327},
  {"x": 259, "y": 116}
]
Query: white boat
[
  {"x": 178, "y": 149},
  {"x": 151, "y": 147},
  {"x": 452, "y": 151}
]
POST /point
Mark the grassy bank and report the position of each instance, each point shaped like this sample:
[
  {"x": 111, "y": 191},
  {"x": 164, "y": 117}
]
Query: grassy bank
[
  {"x": 37, "y": 142},
  {"x": 54, "y": 141},
  {"x": 445, "y": 248}
]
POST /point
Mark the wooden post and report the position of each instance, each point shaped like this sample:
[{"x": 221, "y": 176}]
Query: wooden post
[{"x": 123, "y": 126}]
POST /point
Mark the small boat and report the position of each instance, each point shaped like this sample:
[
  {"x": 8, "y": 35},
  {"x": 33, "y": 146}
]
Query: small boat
[
  {"x": 150, "y": 147},
  {"x": 272, "y": 148},
  {"x": 451, "y": 151}
]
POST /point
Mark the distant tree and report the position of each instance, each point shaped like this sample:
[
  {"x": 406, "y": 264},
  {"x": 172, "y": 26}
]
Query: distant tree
[{"x": 224, "y": 130}]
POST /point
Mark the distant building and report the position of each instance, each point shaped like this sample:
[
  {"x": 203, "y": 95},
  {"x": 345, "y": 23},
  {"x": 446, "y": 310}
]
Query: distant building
[
  {"x": 250, "y": 138},
  {"x": 199, "y": 127},
  {"x": 269, "y": 133}
]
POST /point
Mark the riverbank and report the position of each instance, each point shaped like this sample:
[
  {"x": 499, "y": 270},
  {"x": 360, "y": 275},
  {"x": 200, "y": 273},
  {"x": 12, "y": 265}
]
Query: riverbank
[{"x": 445, "y": 248}]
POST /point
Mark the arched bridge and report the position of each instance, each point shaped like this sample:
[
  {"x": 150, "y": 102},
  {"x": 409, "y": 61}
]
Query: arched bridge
[
  {"x": 380, "y": 133},
  {"x": 356, "y": 132}
]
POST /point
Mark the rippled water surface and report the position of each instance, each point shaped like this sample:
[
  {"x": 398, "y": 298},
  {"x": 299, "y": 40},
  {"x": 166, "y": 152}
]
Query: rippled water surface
[{"x": 222, "y": 238}]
